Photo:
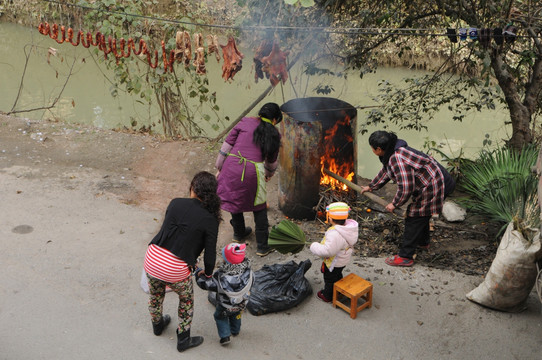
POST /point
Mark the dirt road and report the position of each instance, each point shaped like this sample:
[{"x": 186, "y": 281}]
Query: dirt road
[{"x": 78, "y": 209}]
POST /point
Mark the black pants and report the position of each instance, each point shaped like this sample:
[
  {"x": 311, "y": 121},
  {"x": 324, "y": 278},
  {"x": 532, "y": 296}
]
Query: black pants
[
  {"x": 416, "y": 234},
  {"x": 330, "y": 278},
  {"x": 262, "y": 226}
]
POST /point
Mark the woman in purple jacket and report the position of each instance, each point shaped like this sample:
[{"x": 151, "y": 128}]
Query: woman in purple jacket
[
  {"x": 420, "y": 178},
  {"x": 247, "y": 160}
]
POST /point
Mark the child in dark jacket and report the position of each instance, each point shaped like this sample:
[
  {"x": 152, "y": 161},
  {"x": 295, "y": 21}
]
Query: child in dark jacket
[{"x": 231, "y": 282}]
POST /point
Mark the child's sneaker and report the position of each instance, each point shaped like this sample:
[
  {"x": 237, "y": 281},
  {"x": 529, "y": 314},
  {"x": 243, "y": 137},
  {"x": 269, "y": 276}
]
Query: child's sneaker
[
  {"x": 225, "y": 340},
  {"x": 396, "y": 260},
  {"x": 321, "y": 296}
]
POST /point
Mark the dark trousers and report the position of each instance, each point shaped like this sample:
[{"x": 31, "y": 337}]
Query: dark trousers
[
  {"x": 416, "y": 234},
  {"x": 330, "y": 278},
  {"x": 227, "y": 324},
  {"x": 262, "y": 226}
]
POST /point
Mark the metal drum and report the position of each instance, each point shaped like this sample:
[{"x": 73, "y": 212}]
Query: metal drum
[{"x": 316, "y": 132}]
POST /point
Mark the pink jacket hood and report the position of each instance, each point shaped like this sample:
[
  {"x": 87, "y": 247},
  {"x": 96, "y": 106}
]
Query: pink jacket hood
[{"x": 338, "y": 242}]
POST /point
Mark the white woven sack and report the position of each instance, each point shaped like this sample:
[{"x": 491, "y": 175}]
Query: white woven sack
[{"x": 512, "y": 274}]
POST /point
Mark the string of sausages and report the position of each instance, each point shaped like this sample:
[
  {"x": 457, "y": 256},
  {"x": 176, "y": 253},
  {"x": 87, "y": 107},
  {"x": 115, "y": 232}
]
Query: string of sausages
[
  {"x": 268, "y": 59},
  {"x": 123, "y": 48}
]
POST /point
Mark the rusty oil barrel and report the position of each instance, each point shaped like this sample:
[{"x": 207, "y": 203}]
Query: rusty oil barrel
[{"x": 306, "y": 121}]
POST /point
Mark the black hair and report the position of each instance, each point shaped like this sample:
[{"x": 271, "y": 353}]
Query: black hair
[
  {"x": 339, "y": 221},
  {"x": 266, "y": 135},
  {"x": 385, "y": 140},
  {"x": 204, "y": 185}
]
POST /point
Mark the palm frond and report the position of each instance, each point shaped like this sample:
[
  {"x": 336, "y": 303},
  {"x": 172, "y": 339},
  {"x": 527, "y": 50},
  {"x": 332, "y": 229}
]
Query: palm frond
[
  {"x": 502, "y": 186},
  {"x": 287, "y": 237}
]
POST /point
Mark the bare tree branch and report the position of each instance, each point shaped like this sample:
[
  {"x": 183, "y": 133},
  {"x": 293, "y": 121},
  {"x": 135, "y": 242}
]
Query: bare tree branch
[{"x": 48, "y": 107}]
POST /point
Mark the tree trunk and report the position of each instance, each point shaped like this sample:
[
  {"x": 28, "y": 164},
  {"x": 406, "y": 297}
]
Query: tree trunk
[
  {"x": 521, "y": 130},
  {"x": 520, "y": 115}
]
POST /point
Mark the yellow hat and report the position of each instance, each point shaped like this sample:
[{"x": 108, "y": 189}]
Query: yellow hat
[{"x": 338, "y": 211}]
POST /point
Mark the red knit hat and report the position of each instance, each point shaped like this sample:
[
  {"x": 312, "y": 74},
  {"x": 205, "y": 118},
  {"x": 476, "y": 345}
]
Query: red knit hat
[{"x": 234, "y": 253}]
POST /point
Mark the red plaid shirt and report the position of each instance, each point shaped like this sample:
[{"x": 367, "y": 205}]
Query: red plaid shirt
[{"x": 417, "y": 175}]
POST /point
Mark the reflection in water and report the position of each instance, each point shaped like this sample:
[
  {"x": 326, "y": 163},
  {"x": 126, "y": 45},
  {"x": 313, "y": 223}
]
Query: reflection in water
[
  {"x": 99, "y": 121},
  {"x": 87, "y": 97}
]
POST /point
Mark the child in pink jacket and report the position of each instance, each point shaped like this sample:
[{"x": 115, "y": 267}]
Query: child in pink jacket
[{"x": 336, "y": 247}]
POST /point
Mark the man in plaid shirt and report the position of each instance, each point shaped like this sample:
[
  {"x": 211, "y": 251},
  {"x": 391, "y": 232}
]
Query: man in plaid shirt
[{"x": 420, "y": 178}]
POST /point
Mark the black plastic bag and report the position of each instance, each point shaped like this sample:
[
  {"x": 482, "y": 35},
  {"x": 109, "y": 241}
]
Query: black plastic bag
[
  {"x": 279, "y": 287},
  {"x": 211, "y": 297}
]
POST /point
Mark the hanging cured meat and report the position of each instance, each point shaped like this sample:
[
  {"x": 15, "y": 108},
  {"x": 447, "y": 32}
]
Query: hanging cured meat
[
  {"x": 198, "y": 41},
  {"x": 179, "y": 42},
  {"x": 199, "y": 61},
  {"x": 263, "y": 50},
  {"x": 274, "y": 65},
  {"x": 187, "y": 49},
  {"x": 122, "y": 48},
  {"x": 107, "y": 46},
  {"x": 212, "y": 46},
  {"x": 168, "y": 61},
  {"x": 183, "y": 51},
  {"x": 199, "y": 58},
  {"x": 233, "y": 59}
]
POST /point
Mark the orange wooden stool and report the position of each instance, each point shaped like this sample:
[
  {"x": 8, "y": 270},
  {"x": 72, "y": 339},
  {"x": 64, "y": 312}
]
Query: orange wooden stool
[{"x": 354, "y": 288}]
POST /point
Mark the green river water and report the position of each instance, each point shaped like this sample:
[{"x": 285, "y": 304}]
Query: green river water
[{"x": 87, "y": 96}]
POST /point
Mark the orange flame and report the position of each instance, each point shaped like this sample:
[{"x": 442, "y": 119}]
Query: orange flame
[{"x": 328, "y": 161}]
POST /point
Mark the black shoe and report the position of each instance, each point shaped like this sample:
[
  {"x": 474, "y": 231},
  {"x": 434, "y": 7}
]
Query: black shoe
[
  {"x": 240, "y": 238},
  {"x": 225, "y": 340},
  {"x": 235, "y": 334},
  {"x": 184, "y": 341},
  {"x": 161, "y": 325},
  {"x": 264, "y": 252}
]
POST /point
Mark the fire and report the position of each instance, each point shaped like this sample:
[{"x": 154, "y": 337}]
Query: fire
[{"x": 333, "y": 159}]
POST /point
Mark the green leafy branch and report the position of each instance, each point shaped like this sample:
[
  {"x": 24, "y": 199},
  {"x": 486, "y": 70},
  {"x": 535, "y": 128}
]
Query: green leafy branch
[{"x": 171, "y": 90}]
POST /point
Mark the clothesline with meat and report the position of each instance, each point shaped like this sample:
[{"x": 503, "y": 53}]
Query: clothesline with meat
[{"x": 269, "y": 60}]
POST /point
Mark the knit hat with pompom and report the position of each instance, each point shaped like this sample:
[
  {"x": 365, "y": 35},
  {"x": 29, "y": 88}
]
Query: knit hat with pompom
[{"x": 234, "y": 253}]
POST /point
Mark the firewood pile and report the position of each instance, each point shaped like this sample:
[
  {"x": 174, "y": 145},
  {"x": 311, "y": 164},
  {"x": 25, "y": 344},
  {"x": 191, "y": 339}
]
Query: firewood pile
[{"x": 359, "y": 205}]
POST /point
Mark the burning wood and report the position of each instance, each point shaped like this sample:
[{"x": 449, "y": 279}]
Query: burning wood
[
  {"x": 329, "y": 195},
  {"x": 333, "y": 157}
]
